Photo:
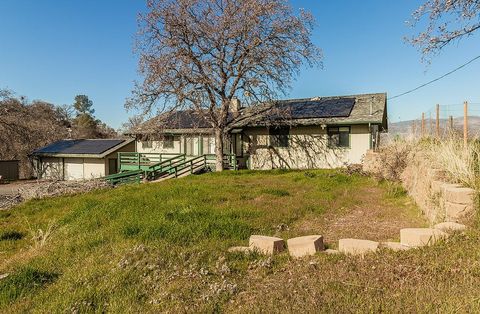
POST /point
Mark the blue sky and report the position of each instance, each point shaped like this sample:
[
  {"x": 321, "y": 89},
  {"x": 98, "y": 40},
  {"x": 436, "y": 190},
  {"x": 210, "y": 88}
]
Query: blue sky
[{"x": 54, "y": 50}]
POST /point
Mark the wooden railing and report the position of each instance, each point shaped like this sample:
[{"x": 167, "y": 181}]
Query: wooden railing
[{"x": 130, "y": 161}]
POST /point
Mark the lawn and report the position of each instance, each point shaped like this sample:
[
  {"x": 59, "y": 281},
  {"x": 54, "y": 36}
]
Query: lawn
[{"x": 163, "y": 247}]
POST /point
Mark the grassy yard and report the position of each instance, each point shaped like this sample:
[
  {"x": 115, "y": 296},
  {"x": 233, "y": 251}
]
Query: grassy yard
[{"x": 163, "y": 247}]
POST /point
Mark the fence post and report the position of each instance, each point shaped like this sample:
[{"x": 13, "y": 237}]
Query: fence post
[
  {"x": 465, "y": 123},
  {"x": 437, "y": 122},
  {"x": 423, "y": 124}
]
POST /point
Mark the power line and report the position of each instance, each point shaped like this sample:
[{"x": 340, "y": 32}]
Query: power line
[{"x": 437, "y": 79}]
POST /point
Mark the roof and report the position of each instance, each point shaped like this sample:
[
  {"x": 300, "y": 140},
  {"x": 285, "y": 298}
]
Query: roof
[
  {"x": 96, "y": 148},
  {"x": 182, "y": 121},
  {"x": 353, "y": 109}
]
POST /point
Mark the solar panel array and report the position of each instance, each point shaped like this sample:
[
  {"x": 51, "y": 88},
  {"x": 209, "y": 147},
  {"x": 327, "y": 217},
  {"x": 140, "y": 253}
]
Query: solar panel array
[
  {"x": 321, "y": 108},
  {"x": 79, "y": 147}
]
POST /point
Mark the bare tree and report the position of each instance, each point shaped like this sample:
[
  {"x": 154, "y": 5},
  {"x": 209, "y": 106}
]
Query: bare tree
[
  {"x": 448, "y": 21},
  {"x": 200, "y": 54}
]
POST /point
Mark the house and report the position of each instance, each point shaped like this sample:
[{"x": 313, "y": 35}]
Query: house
[
  {"x": 320, "y": 132},
  {"x": 80, "y": 159}
]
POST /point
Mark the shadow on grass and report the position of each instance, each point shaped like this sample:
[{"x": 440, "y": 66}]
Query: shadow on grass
[{"x": 24, "y": 282}]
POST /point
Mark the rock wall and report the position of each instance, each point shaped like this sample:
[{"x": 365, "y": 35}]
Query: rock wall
[{"x": 439, "y": 199}]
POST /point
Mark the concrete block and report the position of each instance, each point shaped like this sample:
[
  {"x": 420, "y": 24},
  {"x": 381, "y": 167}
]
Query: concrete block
[
  {"x": 307, "y": 245},
  {"x": 447, "y": 185},
  {"x": 459, "y": 195},
  {"x": 240, "y": 249},
  {"x": 357, "y": 246},
  {"x": 450, "y": 227},
  {"x": 416, "y": 237},
  {"x": 266, "y": 245},
  {"x": 394, "y": 246},
  {"x": 454, "y": 211}
]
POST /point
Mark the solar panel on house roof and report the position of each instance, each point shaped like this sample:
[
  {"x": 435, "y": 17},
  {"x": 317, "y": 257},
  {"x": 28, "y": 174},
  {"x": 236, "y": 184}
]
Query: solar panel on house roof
[
  {"x": 321, "y": 108},
  {"x": 79, "y": 147}
]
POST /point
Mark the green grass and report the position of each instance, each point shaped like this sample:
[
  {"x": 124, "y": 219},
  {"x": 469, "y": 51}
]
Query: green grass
[{"x": 163, "y": 247}]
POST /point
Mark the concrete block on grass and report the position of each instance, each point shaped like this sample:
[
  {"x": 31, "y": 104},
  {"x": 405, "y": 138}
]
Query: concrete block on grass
[
  {"x": 417, "y": 237},
  {"x": 266, "y": 245},
  {"x": 357, "y": 246},
  {"x": 303, "y": 246},
  {"x": 450, "y": 227}
]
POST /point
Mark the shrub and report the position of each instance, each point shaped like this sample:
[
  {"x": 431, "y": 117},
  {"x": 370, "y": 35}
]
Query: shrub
[{"x": 460, "y": 163}]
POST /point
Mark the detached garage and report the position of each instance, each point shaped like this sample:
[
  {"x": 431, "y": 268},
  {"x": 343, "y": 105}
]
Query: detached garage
[{"x": 80, "y": 159}]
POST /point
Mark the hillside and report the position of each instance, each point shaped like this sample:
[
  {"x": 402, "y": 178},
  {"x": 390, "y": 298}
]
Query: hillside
[
  {"x": 405, "y": 127},
  {"x": 163, "y": 247}
]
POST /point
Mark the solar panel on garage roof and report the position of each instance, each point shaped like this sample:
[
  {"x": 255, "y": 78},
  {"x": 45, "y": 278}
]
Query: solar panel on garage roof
[
  {"x": 79, "y": 146},
  {"x": 321, "y": 108}
]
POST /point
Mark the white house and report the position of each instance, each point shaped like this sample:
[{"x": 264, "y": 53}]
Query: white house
[{"x": 320, "y": 132}]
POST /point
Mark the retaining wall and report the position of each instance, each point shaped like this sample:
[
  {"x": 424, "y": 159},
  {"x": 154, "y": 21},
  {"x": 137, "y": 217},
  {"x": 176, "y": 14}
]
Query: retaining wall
[{"x": 439, "y": 199}]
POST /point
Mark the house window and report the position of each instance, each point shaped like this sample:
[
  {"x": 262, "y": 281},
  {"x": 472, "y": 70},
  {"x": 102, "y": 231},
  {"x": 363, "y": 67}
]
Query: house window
[
  {"x": 339, "y": 136},
  {"x": 168, "y": 141},
  {"x": 147, "y": 144},
  {"x": 279, "y": 136}
]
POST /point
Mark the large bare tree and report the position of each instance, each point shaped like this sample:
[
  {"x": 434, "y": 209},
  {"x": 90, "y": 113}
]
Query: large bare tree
[
  {"x": 200, "y": 54},
  {"x": 447, "y": 21}
]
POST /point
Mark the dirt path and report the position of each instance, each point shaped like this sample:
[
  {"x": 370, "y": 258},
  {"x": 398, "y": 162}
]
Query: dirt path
[{"x": 374, "y": 217}]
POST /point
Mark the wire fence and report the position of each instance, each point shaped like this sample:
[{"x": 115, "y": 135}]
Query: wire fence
[{"x": 462, "y": 119}]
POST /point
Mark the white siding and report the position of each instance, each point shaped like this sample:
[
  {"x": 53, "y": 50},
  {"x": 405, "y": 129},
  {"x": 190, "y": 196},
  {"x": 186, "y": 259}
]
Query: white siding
[
  {"x": 157, "y": 147},
  {"x": 93, "y": 168},
  {"x": 308, "y": 148},
  {"x": 51, "y": 168}
]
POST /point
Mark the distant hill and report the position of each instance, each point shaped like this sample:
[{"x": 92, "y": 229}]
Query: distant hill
[{"x": 405, "y": 127}]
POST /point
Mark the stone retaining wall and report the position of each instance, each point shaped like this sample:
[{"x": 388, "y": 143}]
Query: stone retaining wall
[{"x": 439, "y": 199}]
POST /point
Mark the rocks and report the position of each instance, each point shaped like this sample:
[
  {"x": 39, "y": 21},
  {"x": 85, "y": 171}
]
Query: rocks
[
  {"x": 394, "y": 246},
  {"x": 266, "y": 245},
  {"x": 357, "y": 246},
  {"x": 303, "y": 246},
  {"x": 450, "y": 227},
  {"x": 416, "y": 237},
  {"x": 3, "y": 276}
]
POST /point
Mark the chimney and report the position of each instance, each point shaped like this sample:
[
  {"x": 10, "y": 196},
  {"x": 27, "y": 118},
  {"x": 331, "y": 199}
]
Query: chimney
[{"x": 235, "y": 106}]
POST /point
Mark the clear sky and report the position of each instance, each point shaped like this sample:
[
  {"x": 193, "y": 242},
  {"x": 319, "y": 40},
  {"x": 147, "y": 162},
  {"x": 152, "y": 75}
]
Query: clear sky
[{"x": 54, "y": 50}]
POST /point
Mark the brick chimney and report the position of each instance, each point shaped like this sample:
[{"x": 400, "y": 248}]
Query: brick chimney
[{"x": 235, "y": 106}]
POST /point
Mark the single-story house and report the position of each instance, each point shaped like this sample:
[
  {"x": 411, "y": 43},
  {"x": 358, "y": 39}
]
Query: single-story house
[
  {"x": 80, "y": 159},
  {"x": 319, "y": 132}
]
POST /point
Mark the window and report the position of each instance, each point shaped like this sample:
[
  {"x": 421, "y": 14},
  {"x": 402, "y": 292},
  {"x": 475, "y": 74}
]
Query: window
[
  {"x": 279, "y": 136},
  {"x": 168, "y": 141},
  {"x": 339, "y": 136},
  {"x": 147, "y": 144}
]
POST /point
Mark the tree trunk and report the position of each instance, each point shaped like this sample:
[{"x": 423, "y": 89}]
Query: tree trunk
[{"x": 218, "y": 149}]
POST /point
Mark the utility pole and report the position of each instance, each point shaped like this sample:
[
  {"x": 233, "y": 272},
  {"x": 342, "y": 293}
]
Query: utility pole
[{"x": 437, "y": 122}]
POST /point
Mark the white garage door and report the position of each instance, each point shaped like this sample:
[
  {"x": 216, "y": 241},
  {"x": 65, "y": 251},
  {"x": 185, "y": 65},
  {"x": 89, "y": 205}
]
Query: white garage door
[{"x": 73, "y": 168}]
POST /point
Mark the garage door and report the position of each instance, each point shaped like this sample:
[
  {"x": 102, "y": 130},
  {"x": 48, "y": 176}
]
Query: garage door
[{"x": 73, "y": 168}]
